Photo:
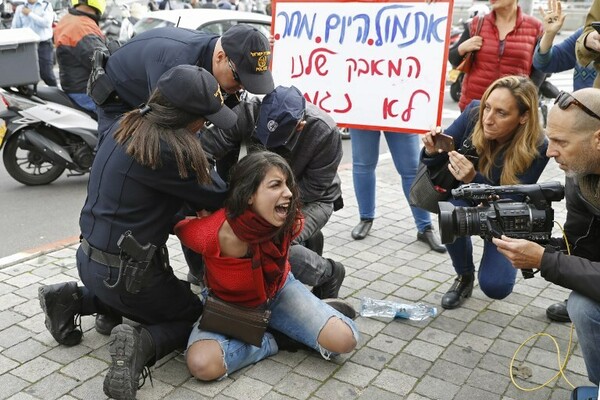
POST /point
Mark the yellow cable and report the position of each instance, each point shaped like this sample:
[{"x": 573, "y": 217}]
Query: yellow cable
[{"x": 561, "y": 366}]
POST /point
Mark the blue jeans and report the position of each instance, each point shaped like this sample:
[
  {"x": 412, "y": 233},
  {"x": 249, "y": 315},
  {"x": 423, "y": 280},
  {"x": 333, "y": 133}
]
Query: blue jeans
[
  {"x": 405, "y": 150},
  {"x": 496, "y": 274},
  {"x": 585, "y": 314},
  {"x": 295, "y": 312},
  {"x": 83, "y": 100}
]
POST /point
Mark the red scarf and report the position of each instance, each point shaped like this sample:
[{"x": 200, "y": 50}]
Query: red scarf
[{"x": 268, "y": 258}]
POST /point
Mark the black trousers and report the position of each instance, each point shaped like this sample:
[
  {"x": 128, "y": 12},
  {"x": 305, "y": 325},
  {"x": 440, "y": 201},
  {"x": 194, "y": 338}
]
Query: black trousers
[
  {"x": 46, "y": 62},
  {"x": 166, "y": 307}
]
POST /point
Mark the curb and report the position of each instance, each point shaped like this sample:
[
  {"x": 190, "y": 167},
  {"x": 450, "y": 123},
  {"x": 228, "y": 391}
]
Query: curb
[{"x": 36, "y": 252}]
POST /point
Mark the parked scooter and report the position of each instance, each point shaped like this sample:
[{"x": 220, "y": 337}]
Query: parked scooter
[{"x": 46, "y": 133}]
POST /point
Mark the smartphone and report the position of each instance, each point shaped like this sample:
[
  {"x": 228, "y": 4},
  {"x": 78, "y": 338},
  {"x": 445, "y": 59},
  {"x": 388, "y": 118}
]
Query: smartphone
[
  {"x": 596, "y": 26},
  {"x": 443, "y": 142}
]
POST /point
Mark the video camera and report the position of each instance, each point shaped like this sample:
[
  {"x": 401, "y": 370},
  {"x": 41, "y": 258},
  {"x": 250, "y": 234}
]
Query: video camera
[{"x": 531, "y": 219}]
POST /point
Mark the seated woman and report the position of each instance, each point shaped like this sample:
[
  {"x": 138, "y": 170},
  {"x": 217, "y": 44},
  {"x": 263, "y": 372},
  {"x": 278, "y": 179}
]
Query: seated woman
[
  {"x": 510, "y": 146},
  {"x": 260, "y": 219}
]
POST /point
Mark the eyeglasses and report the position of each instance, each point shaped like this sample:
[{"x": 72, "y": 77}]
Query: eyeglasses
[
  {"x": 564, "y": 100},
  {"x": 233, "y": 71}
]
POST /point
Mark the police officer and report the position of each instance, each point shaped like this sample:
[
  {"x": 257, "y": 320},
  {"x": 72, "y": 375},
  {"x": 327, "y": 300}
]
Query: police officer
[
  {"x": 238, "y": 60},
  {"x": 149, "y": 164},
  {"x": 39, "y": 16}
]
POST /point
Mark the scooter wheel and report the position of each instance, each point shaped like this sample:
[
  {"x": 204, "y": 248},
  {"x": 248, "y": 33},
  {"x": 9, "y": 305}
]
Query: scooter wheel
[{"x": 27, "y": 166}]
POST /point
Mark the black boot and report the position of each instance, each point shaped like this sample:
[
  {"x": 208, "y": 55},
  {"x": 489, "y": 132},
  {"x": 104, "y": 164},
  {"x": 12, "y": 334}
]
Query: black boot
[
  {"x": 461, "y": 289},
  {"x": 131, "y": 352},
  {"x": 558, "y": 312},
  {"x": 286, "y": 343},
  {"x": 363, "y": 228},
  {"x": 331, "y": 287},
  {"x": 61, "y": 303},
  {"x": 106, "y": 322},
  {"x": 429, "y": 237}
]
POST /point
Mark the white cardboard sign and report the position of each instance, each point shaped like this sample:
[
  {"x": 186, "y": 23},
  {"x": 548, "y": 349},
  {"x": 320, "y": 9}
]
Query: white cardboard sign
[{"x": 373, "y": 65}]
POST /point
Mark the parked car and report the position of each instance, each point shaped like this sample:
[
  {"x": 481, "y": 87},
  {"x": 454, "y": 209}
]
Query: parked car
[{"x": 207, "y": 20}]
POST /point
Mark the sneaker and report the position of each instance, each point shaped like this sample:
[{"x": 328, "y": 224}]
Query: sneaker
[
  {"x": 61, "y": 304},
  {"x": 330, "y": 289},
  {"x": 131, "y": 351}
]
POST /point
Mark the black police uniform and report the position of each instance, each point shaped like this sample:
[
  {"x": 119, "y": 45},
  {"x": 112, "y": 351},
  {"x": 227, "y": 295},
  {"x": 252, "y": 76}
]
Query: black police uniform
[
  {"x": 124, "y": 195},
  {"x": 135, "y": 67}
]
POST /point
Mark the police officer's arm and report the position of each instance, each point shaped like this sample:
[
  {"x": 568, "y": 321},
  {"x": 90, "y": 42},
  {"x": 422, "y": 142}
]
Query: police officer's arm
[
  {"x": 324, "y": 163},
  {"x": 45, "y": 20},
  {"x": 219, "y": 142}
]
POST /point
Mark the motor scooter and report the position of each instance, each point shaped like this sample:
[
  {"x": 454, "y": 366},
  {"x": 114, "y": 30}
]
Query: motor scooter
[{"x": 44, "y": 134}]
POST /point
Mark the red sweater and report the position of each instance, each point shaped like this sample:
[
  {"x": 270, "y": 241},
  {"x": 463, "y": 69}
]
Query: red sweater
[
  {"x": 229, "y": 278},
  {"x": 489, "y": 64}
]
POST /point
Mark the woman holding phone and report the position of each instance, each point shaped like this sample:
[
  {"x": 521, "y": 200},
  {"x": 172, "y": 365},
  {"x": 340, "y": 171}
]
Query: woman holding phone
[{"x": 505, "y": 133}]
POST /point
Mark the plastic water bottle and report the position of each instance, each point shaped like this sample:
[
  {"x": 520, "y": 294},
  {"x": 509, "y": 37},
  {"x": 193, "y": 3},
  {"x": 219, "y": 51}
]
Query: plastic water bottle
[{"x": 392, "y": 309}]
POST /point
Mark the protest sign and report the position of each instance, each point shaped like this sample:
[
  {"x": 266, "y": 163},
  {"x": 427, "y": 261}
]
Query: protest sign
[{"x": 372, "y": 65}]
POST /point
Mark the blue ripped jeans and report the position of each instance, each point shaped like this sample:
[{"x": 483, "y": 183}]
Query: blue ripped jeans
[{"x": 295, "y": 312}]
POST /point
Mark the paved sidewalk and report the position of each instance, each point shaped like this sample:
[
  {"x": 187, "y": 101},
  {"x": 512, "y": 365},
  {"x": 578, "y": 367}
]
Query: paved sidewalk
[{"x": 460, "y": 354}]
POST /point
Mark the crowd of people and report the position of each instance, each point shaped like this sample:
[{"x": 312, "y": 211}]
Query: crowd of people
[{"x": 172, "y": 120}]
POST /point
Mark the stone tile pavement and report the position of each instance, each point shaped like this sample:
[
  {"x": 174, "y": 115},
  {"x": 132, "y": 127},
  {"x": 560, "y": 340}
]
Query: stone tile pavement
[{"x": 460, "y": 354}]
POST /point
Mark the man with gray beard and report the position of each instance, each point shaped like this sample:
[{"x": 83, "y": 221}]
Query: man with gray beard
[{"x": 574, "y": 142}]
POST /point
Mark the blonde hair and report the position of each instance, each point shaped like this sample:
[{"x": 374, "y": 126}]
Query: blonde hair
[{"x": 522, "y": 149}]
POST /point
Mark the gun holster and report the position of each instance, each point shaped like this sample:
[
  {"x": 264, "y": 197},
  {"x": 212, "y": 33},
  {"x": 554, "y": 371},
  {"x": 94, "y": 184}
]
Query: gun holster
[
  {"x": 99, "y": 86},
  {"x": 135, "y": 263}
]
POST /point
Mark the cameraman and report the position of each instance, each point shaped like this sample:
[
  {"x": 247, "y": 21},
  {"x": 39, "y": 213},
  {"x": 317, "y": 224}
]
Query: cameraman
[{"x": 574, "y": 134}]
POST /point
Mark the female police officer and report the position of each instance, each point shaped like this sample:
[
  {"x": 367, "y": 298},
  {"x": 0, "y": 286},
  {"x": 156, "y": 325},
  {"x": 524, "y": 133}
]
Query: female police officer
[{"x": 145, "y": 169}]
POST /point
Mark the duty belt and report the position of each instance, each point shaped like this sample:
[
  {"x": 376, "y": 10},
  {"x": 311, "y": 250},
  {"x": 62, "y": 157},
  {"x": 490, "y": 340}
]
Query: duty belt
[
  {"x": 101, "y": 257},
  {"x": 114, "y": 260}
]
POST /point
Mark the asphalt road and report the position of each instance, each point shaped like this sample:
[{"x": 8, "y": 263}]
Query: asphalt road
[{"x": 34, "y": 217}]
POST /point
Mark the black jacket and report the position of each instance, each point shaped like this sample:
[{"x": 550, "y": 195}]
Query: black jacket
[
  {"x": 314, "y": 154},
  {"x": 124, "y": 195},
  {"x": 580, "y": 271},
  {"x": 136, "y": 66}
]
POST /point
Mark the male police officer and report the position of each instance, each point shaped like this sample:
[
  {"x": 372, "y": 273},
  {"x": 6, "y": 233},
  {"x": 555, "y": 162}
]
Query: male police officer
[
  {"x": 238, "y": 60},
  {"x": 574, "y": 142},
  {"x": 38, "y": 16},
  {"x": 309, "y": 140}
]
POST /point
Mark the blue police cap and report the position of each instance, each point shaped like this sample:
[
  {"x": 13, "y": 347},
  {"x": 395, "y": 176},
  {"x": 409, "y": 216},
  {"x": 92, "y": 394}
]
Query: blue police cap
[{"x": 280, "y": 112}]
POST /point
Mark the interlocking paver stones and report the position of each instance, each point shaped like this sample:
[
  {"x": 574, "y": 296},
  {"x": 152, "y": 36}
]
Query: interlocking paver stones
[
  {"x": 52, "y": 386},
  {"x": 84, "y": 368},
  {"x": 488, "y": 381},
  {"x": 423, "y": 349},
  {"x": 461, "y": 354},
  {"x": 25, "y": 351},
  {"x": 246, "y": 388},
  {"x": 10, "y": 385},
  {"x": 297, "y": 386},
  {"x": 88, "y": 390},
  {"x": 436, "y": 388},
  {"x": 395, "y": 382},
  {"x": 450, "y": 372}
]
